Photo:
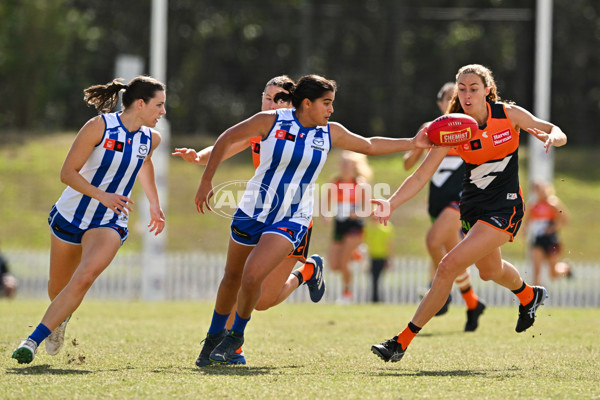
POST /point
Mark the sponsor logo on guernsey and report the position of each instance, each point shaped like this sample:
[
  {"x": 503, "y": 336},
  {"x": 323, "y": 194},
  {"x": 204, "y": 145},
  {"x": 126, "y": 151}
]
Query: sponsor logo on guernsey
[
  {"x": 502, "y": 137},
  {"x": 281, "y": 134},
  {"x": 115, "y": 145},
  {"x": 318, "y": 144},
  {"x": 511, "y": 196},
  {"x": 472, "y": 145},
  {"x": 142, "y": 151}
]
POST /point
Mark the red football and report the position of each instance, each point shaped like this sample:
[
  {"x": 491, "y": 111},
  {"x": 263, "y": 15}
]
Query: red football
[{"x": 452, "y": 129}]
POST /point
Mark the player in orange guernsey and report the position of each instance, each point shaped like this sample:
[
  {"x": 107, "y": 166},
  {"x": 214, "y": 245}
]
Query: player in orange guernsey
[
  {"x": 543, "y": 220},
  {"x": 444, "y": 195},
  {"x": 491, "y": 205},
  {"x": 348, "y": 194},
  {"x": 282, "y": 281}
]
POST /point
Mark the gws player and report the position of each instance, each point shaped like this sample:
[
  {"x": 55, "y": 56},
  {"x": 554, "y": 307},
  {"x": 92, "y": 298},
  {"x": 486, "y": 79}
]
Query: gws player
[
  {"x": 491, "y": 205},
  {"x": 444, "y": 195}
]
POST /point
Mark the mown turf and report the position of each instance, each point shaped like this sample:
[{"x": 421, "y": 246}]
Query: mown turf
[{"x": 303, "y": 351}]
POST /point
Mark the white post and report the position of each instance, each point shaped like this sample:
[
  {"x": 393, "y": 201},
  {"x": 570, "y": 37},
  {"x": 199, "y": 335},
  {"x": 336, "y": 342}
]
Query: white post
[
  {"x": 541, "y": 164},
  {"x": 153, "y": 249}
]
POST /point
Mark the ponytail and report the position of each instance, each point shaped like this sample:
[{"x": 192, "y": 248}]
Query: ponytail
[{"x": 105, "y": 97}]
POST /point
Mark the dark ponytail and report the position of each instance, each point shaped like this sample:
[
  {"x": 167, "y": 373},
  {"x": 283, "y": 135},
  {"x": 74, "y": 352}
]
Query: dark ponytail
[{"x": 105, "y": 97}]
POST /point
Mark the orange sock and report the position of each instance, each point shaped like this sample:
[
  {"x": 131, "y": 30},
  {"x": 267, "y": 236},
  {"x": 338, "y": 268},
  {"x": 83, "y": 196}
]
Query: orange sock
[
  {"x": 524, "y": 293},
  {"x": 470, "y": 298},
  {"x": 407, "y": 335},
  {"x": 306, "y": 271}
]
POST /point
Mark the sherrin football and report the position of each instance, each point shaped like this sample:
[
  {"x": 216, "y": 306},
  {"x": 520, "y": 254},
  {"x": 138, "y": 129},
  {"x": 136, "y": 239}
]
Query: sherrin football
[{"x": 452, "y": 129}]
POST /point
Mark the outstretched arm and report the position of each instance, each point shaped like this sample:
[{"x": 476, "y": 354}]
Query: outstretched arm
[
  {"x": 411, "y": 157},
  {"x": 201, "y": 157},
  {"x": 411, "y": 185},
  {"x": 344, "y": 139},
  {"x": 544, "y": 131},
  {"x": 257, "y": 125}
]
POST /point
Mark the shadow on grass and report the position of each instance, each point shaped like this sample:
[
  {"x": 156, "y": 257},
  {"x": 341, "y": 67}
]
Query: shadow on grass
[
  {"x": 456, "y": 373},
  {"x": 45, "y": 369},
  {"x": 440, "y": 333},
  {"x": 240, "y": 370}
]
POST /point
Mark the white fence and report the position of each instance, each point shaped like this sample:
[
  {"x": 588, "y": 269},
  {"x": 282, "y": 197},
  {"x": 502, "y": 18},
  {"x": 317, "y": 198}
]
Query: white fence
[{"x": 196, "y": 276}]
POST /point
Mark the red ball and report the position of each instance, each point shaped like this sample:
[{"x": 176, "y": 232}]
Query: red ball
[{"x": 452, "y": 129}]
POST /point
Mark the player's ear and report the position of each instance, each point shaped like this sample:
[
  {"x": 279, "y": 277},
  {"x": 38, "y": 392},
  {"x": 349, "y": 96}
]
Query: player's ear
[{"x": 306, "y": 103}]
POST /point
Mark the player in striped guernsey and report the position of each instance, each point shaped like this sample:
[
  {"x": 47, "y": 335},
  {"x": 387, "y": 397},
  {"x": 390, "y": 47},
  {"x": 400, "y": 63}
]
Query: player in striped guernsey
[
  {"x": 491, "y": 205},
  {"x": 283, "y": 280},
  {"x": 277, "y": 206},
  {"x": 88, "y": 223}
]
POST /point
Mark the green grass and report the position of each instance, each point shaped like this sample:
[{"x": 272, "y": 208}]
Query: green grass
[
  {"x": 303, "y": 351},
  {"x": 29, "y": 185}
]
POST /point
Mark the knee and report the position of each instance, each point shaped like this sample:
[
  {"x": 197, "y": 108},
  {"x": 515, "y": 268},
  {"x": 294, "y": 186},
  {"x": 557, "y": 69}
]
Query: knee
[
  {"x": 433, "y": 241},
  {"x": 490, "y": 274},
  {"x": 486, "y": 275},
  {"x": 262, "y": 306},
  {"x": 231, "y": 278},
  {"x": 446, "y": 269},
  {"x": 251, "y": 277},
  {"x": 82, "y": 282}
]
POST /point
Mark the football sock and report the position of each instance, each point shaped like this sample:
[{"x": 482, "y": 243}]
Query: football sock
[
  {"x": 40, "y": 333},
  {"x": 407, "y": 335},
  {"x": 239, "y": 325},
  {"x": 468, "y": 294},
  {"x": 218, "y": 323},
  {"x": 304, "y": 273},
  {"x": 524, "y": 293}
]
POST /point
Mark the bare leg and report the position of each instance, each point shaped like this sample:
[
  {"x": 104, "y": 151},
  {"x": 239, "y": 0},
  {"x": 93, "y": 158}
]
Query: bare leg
[
  {"x": 64, "y": 259},
  {"x": 266, "y": 256},
  {"x": 99, "y": 247},
  {"x": 230, "y": 283},
  {"x": 278, "y": 285},
  {"x": 480, "y": 247},
  {"x": 537, "y": 258}
]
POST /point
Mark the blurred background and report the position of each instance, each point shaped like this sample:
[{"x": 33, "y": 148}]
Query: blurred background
[{"x": 389, "y": 58}]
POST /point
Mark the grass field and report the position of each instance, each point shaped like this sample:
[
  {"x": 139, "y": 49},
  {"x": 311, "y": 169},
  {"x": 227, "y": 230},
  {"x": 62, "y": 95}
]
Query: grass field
[
  {"x": 303, "y": 351},
  {"x": 29, "y": 185}
]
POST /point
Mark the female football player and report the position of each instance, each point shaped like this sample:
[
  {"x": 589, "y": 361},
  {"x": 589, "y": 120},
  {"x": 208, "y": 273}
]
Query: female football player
[
  {"x": 281, "y": 282},
  {"x": 88, "y": 223},
  {"x": 271, "y": 221},
  {"x": 444, "y": 195},
  {"x": 491, "y": 205}
]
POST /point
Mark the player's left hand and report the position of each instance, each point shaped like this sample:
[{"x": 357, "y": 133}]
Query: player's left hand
[
  {"x": 157, "y": 219},
  {"x": 203, "y": 195},
  {"x": 421, "y": 139},
  {"x": 547, "y": 138},
  {"x": 189, "y": 155},
  {"x": 382, "y": 211}
]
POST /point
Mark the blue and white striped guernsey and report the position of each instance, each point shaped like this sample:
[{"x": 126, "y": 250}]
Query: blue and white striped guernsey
[
  {"x": 291, "y": 158},
  {"x": 112, "y": 166}
]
